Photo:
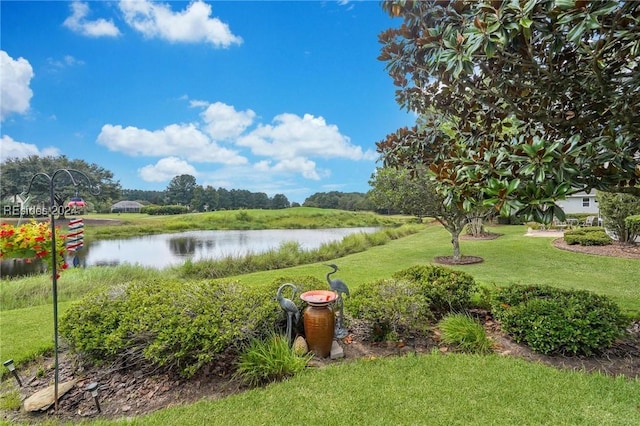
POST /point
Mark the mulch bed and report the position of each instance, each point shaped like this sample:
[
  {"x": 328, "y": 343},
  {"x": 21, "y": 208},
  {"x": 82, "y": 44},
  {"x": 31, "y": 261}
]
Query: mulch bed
[
  {"x": 126, "y": 393},
  {"x": 616, "y": 249},
  {"x": 464, "y": 260}
]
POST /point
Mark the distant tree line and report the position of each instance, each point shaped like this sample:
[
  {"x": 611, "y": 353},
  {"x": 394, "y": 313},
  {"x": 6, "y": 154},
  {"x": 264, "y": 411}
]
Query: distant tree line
[
  {"x": 182, "y": 190},
  {"x": 339, "y": 200}
]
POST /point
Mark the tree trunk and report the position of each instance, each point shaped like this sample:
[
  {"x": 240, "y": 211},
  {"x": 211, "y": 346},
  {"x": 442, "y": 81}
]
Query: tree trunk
[
  {"x": 455, "y": 227},
  {"x": 455, "y": 241},
  {"x": 476, "y": 226}
]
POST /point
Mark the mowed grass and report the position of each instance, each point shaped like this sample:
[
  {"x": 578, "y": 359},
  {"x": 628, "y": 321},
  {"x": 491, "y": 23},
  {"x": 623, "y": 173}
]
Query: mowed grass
[
  {"x": 27, "y": 333},
  {"x": 513, "y": 258},
  {"x": 431, "y": 389},
  {"x": 510, "y": 259}
]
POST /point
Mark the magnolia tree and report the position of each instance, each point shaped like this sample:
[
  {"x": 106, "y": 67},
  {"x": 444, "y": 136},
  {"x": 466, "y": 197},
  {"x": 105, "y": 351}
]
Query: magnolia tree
[
  {"x": 415, "y": 193},
  {"x": 521, "y": 102}
]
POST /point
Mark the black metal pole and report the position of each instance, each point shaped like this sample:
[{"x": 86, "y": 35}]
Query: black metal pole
[
  {"x": 54, "y": 273},
  {"x": 54, "y": 266}
]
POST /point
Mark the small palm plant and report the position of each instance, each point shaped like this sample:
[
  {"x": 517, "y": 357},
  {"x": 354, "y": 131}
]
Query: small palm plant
[{"x": 270, "y": 360}]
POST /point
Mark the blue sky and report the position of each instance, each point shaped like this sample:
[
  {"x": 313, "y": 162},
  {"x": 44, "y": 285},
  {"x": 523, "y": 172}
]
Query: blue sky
[{"x": 276, "y": 97}]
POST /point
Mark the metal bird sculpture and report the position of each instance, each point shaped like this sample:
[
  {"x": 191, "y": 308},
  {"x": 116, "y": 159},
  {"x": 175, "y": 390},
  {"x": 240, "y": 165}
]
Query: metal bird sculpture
[
  {"x": 340, "y": 288},
  {"x": 289, "y": 307},
  {"x": 336, "y": 284}
]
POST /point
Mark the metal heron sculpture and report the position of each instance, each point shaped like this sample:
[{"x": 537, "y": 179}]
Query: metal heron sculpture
[
  {"x": 340, "y": 288},
  {"x": 289, "y": 307}
]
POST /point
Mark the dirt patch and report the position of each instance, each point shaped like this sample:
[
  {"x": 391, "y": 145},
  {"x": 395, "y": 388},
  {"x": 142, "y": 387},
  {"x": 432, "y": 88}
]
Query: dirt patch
[{"x": 466, "y": 260}]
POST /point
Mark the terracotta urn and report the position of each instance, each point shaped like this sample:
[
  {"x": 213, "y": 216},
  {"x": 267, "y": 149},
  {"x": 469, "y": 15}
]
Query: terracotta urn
[{"x": 319, "y": 321}]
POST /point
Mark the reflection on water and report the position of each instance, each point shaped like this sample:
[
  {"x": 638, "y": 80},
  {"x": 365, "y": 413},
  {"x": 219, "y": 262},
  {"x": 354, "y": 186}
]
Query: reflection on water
[{"x": 160, "y": 251}]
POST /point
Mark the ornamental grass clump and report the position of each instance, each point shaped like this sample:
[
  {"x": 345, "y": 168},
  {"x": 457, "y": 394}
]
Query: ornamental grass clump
[
  {"x": 465, "y": 333},
  {"x": 32, "y": 241},
  {"x": 269, "y": 360}
]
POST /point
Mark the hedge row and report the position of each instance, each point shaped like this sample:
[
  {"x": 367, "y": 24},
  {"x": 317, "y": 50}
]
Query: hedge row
[
  {"x": 184, "y": 325},
  {"x": 180, "y": 326},
  {"x": 164, "y": 210},
  {"x": 591, "y": 236}
]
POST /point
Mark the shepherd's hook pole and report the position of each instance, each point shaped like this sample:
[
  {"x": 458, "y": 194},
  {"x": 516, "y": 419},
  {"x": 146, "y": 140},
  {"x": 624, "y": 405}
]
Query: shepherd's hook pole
[{"x": 54, "y": 268}]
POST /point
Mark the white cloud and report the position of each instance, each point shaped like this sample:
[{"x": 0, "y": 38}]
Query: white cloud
[
  {"x": 223, "y": 122},
  {"x": 293, "y": 136},
  {"x": 15, "y": 93},
  {"x": 180, "y": 140},
  {"x": 197, "y": 104},
  {"x": 303, "y": 166},
  {"x": 10, "y": 148},
  {"x": 78, "y": 23},
  {"x": 288, "y": 147},
  {"x": 193, "y": 24},
  {"x": 66, "y": 62},
  {"x": 166, "y": 169},
  {"x": 291, "y": 141}
]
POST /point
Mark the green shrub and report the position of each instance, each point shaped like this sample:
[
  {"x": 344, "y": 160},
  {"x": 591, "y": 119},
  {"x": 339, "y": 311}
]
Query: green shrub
[
  {"x": 632, "y": 223},
  {"x": 447, "y": 289},
  {"x": 269, "y": 360},
  {"x": 176, "y": 325},
  {"x": 615, "y": 208},
  {"x": 92, "y": 325},
  {"x": 164, "y": 210},
  {"x": 466, "y": 333},
  {"x": 594, "y": 236},
  {"x": 551, "y": 320},
  {"x": 243, "y": 216},
  {"x": 393, "y": 308}
]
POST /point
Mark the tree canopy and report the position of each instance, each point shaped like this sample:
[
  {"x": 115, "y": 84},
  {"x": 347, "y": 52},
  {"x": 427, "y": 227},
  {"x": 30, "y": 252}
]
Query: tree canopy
[
  {"x": 338, "y": 200},
  {"x": 17, "y": 173},
  {"x": 397, "y": 191},
  {"x": 521, "y": 103}
]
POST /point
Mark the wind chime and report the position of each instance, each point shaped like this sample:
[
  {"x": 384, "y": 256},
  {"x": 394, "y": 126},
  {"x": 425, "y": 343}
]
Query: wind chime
[{"x": 75, "y": 239}]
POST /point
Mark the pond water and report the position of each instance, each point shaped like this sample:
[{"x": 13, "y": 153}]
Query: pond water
[{"x": 163, "y": 250}]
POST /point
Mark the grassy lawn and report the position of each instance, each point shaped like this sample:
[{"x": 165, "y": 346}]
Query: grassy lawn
[
  {"x": 536, "y": 262},
  {"x": 432, "y": 389},
  {"x": 427, "y": 390},
  {"x": 27, "y": 333},
  {"x": 510, "y": 259}
]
